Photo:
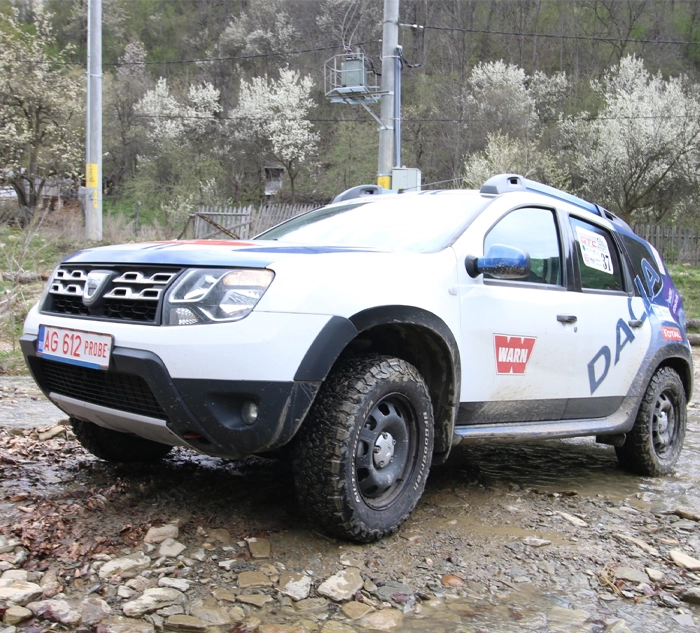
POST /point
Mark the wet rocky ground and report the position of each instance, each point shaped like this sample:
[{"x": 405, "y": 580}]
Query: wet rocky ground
[{"x": 549, "y": 536}]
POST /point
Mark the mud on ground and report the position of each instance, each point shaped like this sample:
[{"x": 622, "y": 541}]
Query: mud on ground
[{"x": 549, "y": 536}]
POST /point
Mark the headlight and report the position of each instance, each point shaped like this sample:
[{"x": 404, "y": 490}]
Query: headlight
[{"x": 215, "y": 295}]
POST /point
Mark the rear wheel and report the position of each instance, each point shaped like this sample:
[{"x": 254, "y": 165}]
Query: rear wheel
[
  {"x": 114, "y": 446},
  {"x": 654, "y": 444},
  {"x": 362, "y": 456}
]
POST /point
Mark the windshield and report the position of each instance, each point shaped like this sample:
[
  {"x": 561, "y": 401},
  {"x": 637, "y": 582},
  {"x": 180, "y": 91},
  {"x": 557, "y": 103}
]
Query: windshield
[{"x": 422, "y": 224}]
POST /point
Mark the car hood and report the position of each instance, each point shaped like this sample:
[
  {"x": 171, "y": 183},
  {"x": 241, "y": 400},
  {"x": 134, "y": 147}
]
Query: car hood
[{"x": 215, "y": 253}]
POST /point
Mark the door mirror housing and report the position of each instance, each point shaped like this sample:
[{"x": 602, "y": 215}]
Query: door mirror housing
[{"x": 501, "y": 262}]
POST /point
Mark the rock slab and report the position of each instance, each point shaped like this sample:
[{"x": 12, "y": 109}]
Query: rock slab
[{"x": 343, "y": 585}]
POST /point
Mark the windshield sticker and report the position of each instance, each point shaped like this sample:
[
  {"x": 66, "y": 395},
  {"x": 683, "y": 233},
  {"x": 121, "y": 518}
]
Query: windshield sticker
[
  {"x": 671, "y": 333},
  {"x": 513, "y": 353},
  {"x": 594, "y": 250}
]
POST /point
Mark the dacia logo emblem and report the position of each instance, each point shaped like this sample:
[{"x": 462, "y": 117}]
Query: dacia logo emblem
[{"x": 95, "y": 285}]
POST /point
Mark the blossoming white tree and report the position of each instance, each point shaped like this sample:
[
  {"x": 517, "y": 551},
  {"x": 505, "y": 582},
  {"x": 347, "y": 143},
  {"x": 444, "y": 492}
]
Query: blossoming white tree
[
  {"x": 41, "y": 111},
  {"x": 513, "y": 109},
  {"x": 274, "y": 112},
  {"x": 178, "y": 169},
  {"x": 642, "y": 149}
]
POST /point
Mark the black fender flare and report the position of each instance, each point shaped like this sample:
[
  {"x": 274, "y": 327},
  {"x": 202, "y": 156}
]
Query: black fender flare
[{"x": 339, "y": 332}]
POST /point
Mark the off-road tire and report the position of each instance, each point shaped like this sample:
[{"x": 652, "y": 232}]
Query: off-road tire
[
  {"x": 114, "y": 446},
  {"x": 654, "y": 444},
  {"x": 350, "y": 479}
]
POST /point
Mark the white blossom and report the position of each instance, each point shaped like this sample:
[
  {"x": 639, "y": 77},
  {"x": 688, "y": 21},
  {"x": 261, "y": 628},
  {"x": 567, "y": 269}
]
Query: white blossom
[
  {"x": 643, "y": 142},
  {"x": 41, "y": 109}
]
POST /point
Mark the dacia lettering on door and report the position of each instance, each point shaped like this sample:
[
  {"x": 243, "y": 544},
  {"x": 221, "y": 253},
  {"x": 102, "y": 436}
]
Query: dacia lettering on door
[
  {"x": 600, "y": 364},
  {"x": 512, "y": 353}
]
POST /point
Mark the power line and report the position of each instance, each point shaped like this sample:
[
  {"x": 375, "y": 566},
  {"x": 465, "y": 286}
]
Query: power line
[
  {"x": 590, "y": 119},
  {"x": 594, "y": 38},
  {"x": 202, "y": 60}
]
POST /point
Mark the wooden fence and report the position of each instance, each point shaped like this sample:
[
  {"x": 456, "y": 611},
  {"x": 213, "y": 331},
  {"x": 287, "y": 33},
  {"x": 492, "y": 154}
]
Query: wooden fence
[
  {"x": 676, "y": 245},
  {"x": 244, "y": 222}
]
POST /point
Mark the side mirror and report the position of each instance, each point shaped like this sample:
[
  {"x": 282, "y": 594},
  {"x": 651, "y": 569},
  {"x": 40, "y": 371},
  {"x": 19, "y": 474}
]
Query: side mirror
[{"x": 502, "y": 262}]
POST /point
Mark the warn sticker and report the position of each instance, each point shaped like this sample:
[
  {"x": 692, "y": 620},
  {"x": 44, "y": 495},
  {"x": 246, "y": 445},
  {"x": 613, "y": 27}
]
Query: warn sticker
[
  {"x": 671, "y": 333},
  {"x": 512, "y": 353}
]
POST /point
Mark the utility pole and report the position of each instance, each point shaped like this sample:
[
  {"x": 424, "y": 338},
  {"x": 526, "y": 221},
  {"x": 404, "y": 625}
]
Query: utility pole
[
  {"x": 93, "y": 127},
  {"x": 390, "y": 45}
]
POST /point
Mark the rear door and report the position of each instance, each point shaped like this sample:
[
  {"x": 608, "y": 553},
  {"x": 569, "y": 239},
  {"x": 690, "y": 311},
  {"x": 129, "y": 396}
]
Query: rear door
[{"x": 613, "y": 331}]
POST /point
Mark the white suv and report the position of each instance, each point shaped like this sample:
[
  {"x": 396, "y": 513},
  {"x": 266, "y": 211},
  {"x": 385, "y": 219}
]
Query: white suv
[{"x": 370, "y": 336}]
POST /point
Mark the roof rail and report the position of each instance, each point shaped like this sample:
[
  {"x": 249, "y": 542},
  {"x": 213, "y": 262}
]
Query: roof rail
[
  {"x": 513, "y": 182},
  {"x": 360, "y": 191}
]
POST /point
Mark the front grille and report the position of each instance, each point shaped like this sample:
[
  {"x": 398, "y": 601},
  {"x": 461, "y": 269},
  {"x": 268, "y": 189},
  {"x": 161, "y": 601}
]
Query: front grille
[
  {"x": 121, "y": 293},
  {"x": 114, "y": 390}
]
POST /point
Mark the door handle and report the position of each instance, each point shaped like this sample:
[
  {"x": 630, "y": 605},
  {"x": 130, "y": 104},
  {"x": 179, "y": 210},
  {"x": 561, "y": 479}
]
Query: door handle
[
  {"x": 635, "y": 323},
  {"x": 566, "y": 318}
]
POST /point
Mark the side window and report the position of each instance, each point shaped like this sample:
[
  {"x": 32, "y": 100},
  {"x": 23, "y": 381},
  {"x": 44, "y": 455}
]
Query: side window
[
  {"x": 644, "y": 266},
  {"x": 598, "y": 259},
  {"x": 535, "y": 232}
]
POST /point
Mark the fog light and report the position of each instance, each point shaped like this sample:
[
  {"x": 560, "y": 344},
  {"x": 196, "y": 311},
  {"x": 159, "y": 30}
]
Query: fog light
[
  {"x": 182, "y": 316},
  {"x": 249, "y": 412}
]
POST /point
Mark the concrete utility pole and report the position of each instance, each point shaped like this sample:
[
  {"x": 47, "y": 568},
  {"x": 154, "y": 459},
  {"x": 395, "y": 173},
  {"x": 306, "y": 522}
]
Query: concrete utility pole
[
  {"x": 390, "y": 44},
  {"x": 93, "y": 128}
]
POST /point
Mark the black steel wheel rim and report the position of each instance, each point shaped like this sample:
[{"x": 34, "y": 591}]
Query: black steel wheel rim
[
  {"x": 387, "y": 451},
  {"x": 664, "y": 423}
]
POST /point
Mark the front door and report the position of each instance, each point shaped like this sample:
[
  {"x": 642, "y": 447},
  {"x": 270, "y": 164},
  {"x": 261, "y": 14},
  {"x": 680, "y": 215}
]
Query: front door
[{"x": 519, "y": 337}]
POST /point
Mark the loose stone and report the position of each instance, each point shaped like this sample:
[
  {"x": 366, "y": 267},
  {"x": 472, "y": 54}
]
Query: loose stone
[
  {"x": 152, "y": 600},
  {"x": 384, "y": 620},
  {"x": 256, "y": 599},
  {"x": 126, "y": 625},
  {"x": 170, "y": 548},
  {"x": 343, "y": 585},
  {"x": 688, "y": 562},
  {"x": 55, "y": 611},
  {"x": 355, "y": 610},
  {"x": 185, "y": 623},
  {"x": 127, "y": 564},
  {"x": 654, "y": 574},
  {"x": 159, "y": 534},
  {"x": 15, "y": 615},
  {"x": 311, "y": 605},
  {"x": 630, "y": 574},
  {"x": 20, "y": 592},
  {"x": 93, "y": 611},
  {"x": 253, "y": 579},
  {"x": 296, "y": 586},
  {"x": 533, "y": 541},
  {"x": 211, "y": 616},
  {"x": 175, "y": 583},
  {"x": 450, "y": 580},
  {"x": 259, "y": 547},
  {"x": 691, "y": 595}
]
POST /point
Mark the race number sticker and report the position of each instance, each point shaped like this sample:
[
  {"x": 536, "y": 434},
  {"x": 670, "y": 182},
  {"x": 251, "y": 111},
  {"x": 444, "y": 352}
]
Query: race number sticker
[{"x": 594, "y": 250}]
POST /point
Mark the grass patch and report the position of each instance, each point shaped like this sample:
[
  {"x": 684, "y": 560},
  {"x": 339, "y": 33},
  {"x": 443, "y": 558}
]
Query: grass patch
[{"x": 687, "y": 281}]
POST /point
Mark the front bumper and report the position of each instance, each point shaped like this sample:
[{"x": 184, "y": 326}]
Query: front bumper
[{"x": 137, "y": 394}]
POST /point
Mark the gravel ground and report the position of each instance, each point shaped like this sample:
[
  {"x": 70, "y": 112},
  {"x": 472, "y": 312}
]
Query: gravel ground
[{"x": 538, "y": 537}]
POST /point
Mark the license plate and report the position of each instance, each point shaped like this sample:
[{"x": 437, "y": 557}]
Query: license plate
[{"x": 87, "y": 349}]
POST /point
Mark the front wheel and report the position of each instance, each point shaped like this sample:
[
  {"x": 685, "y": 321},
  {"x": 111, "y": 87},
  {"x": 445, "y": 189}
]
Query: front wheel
[
  {"x": 363, "y": 454},
  {"x": 654, "y": 444}
]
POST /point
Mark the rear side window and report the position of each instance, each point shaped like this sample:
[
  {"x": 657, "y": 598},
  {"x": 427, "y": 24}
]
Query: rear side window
[
  {"x": 598, "y": 259},
  {"x": 644, "y": 265}
]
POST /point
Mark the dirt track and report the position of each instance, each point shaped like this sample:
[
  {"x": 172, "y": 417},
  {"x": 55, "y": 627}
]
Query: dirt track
[{"x": 540, "y": 537}]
